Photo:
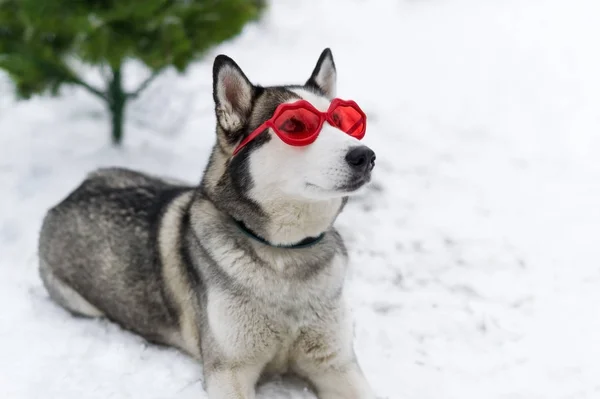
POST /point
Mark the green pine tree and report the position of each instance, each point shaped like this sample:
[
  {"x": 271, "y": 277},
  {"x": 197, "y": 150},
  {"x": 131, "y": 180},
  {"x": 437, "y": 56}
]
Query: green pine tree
[{"x": 40, "y": 39}]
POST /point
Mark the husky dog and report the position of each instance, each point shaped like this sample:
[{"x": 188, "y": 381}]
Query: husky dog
[{"x": 244, "y": 271}]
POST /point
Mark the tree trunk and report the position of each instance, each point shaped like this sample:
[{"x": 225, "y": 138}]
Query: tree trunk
[{"x": 117, "y": 100}]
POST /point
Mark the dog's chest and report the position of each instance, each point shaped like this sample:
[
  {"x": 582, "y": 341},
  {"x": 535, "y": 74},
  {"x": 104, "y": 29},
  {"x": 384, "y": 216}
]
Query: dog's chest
[
  {"x": 294, "y": 328},
  {"x": 270, "y": 333},
  {"x": 276, "y": 307}
]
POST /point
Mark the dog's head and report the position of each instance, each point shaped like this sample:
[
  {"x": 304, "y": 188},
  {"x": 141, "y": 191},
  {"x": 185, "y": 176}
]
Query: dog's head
[{"x": 335, "y": 165}]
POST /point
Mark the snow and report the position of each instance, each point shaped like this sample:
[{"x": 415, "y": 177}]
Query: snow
[{"x": 475, "y": 266}]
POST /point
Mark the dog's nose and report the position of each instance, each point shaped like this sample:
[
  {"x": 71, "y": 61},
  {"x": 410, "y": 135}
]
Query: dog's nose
[{"x": 361, "y": 158}]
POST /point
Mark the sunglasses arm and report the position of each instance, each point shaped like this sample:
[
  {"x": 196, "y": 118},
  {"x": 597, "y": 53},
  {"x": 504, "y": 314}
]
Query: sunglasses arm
[{"x": 251, "y": 136}]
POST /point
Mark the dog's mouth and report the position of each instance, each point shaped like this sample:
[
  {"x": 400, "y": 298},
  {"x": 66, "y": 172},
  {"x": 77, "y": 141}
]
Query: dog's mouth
[
  {"x": 349, "y": 187},
  {"x": 354, "y": 184}
]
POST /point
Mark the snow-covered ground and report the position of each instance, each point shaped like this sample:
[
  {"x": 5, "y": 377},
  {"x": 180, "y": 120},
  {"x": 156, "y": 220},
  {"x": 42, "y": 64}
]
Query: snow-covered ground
[{"x": 475, "y": 255}]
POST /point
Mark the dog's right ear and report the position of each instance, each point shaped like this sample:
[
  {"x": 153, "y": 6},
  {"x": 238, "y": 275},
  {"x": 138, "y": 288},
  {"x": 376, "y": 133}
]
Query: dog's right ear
[
  {"x": 232, "y": 92},
  {"x": 324, "y": 75}
]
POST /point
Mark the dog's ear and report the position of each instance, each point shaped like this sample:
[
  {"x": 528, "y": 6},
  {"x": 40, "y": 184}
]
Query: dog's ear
[
  {"x": 324, "y": 75},
  {"x": 232, "y": 92}
]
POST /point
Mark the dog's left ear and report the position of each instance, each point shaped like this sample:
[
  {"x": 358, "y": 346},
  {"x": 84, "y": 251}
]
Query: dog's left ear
[
  {"x": 324, "y": 75},
  {"x": 232, "y": 92}
]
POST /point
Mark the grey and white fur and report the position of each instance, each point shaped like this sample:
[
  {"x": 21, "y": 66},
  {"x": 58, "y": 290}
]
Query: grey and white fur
[{"x": 171, "y": 263}]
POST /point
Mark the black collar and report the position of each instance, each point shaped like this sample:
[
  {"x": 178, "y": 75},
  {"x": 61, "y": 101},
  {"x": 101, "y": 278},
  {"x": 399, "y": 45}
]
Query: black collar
[{"x": 307, "y": 242}]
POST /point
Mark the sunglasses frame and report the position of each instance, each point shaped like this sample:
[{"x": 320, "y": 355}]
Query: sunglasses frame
[{"x": 323, "y": 116}]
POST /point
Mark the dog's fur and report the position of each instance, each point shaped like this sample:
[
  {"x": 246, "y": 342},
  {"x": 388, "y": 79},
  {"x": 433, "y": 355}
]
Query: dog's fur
[{"x": 169, "y": 262}]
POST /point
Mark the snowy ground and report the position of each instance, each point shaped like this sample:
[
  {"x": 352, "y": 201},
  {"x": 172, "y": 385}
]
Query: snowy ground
[{"x": 475, "y": 259}]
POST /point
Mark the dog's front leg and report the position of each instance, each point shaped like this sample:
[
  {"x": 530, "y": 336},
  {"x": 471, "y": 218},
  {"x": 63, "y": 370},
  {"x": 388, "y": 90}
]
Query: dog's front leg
[
  {"x": 347, "y": 382},
  {"x": 332, "y": 370},
  {"x": 324, "y": 355},
  {"x": 231, "y": 382},
  {"x": 236, "y": 346}
]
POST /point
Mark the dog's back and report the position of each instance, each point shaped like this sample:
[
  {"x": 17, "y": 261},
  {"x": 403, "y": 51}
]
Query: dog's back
[{"x": 101, "y": 241}]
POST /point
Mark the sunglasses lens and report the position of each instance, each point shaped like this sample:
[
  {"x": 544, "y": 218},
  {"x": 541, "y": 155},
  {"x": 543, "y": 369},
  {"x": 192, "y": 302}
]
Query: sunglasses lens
[
  {"x": 350, "y": 120},
  {"x": 297, "y": 123}
]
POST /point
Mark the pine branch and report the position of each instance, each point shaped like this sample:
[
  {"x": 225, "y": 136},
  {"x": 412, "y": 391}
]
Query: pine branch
[
  {"x": 146, "y": 83},
  {"x": 68, "y": 75},
  {"x": 75, "y": 80}
]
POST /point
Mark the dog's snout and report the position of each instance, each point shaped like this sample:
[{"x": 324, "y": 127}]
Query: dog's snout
[{"x": 361, "y": 158}]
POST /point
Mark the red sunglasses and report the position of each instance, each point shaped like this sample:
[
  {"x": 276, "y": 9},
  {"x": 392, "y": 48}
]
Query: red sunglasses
[{"x": 299, "y": 123}]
